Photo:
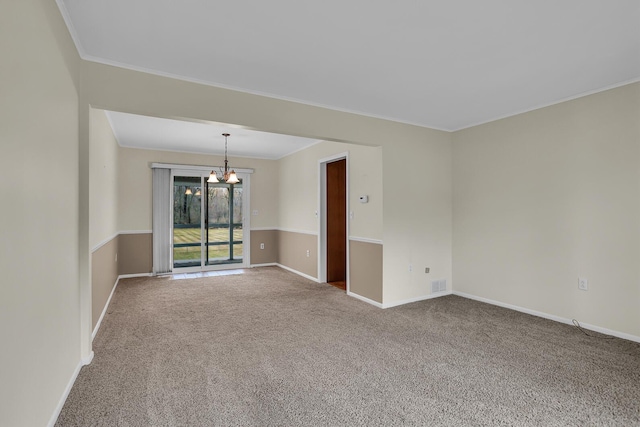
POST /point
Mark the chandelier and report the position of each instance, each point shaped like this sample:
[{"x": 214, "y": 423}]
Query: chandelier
[{"x": 229, "y": 177}]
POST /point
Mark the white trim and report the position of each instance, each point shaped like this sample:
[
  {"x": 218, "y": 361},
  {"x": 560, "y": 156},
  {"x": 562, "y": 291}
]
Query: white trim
[
  {"x": 87, "y": 360},
  {"x": 119, "y": 233},
  {"x": 365, "y": 299},
  {"x": 136, "y": 232},
  {"x": 299, "y": 273},
  {"x": 416, "y": 299},
  {"x": 129, "y": 276},
  {"x": 210, "y": 153},
  {"x": 289, "y": 230},
  {"x": 196, "y": 168},
  {"x": 299, "y": 149},
  {"x": 553, "y": 317},
  {"x": 365, "y": 240},
  {"x": 322, "y": 215},
  {"x": 72, "y": 29},
  {"x": 267, "y": 264},
  {"x": 104, "y": 310},
  {"x": 104, "y": 242},
  {"x": 65, "y": 394},
  {"x": 334, "y": 157},
  {"x": 118, "y": 64}
]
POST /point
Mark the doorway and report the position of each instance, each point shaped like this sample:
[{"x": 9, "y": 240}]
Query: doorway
[
  {"x": 337, "y": 224},
  {"x": 208, "y": 223},
  {"x": 333, "y": 265}
]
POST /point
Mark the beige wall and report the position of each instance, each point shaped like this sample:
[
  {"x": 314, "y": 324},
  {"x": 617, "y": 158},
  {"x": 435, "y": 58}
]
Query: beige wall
[
  {"x": 39, "y": 304},
  {"x": 547, "y": 196},
  {"x": 298, "y": 191},
  {"x": 135, "y": 253},
  {"x": 292, "y": 252},
  {"x": 417, "y": 216},
  {"x": 365, "y": 275},
  {"x": 103, "y": 210},
  {"x": 103, "y": 179},
  {"x": 271, "y": 241},
  {"x": 134, "y": 188}
]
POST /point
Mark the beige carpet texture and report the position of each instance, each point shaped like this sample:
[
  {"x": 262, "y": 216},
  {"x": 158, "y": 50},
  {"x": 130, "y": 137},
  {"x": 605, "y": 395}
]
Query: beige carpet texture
[{"x": 269, "y": 348}]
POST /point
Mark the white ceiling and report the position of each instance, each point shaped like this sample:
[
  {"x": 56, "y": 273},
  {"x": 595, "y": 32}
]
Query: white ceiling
[
  {"x": 442, "y": 64},
  {"x": 145, "y": 132}
]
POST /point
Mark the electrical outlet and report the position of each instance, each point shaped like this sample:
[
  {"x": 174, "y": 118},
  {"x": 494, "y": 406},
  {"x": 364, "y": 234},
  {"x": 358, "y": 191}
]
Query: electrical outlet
[
  {"x": 583, "y": 284},
  {"x": 261, "y": 245},
  {"x": 427, "y": 269},
  {"x": 410, "y": 268},
  {"x": 308, "y": 253},
  {"x": 255, "y": 212}
]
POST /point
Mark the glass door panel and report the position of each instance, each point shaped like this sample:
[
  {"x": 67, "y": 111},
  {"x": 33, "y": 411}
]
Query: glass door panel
[
  {"x": 224, "y": 221},
  {"x": 187, "y": 221}
]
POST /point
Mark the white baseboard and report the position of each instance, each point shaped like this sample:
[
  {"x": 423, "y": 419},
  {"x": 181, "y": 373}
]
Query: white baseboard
[
  {"x": 268, "y": 264},
  {"x": 397, "y": 303},
  {"x": 65, "y": 394},
  {"x": 415, "y": 299},
  {"x": 128, "y": 276},
  {"x": 104, "y": 310},
  {"x": 299, "y": 273},
  {"x": 87, "y": 360},
  {"x": 365, "y": 299},
  {"x": 551, "y": 317}
]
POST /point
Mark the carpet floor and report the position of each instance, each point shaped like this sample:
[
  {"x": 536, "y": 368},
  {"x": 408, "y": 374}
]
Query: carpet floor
[{"x": 269, "y": 348}]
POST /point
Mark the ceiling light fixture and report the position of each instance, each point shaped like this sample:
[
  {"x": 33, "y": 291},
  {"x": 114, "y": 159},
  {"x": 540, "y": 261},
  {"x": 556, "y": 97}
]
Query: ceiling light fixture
[{"x": 229, "y": 177}]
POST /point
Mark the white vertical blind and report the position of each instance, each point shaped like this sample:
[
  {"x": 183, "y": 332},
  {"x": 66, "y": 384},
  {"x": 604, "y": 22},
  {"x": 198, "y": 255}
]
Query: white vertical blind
[{"x": 161, "y": 220}]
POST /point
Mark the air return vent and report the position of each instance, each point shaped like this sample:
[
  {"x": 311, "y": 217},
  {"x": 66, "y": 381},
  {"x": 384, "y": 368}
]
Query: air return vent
[{"x": 438, "y": 286}]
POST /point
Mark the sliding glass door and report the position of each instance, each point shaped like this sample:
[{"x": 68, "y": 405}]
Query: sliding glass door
[{"x": 208, "y": 223}]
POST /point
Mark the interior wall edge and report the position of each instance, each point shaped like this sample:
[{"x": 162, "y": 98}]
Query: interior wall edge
[{"x": 104, "y": 273}]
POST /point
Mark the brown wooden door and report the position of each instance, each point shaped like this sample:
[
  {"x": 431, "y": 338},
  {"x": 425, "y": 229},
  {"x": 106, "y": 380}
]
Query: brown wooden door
[{"x": 337, "y": 221}]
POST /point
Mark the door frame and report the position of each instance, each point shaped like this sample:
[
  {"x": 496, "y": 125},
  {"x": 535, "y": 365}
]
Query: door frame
[
  {"x": 321, "y": 214},
  {"x": 203, "y": 173}
]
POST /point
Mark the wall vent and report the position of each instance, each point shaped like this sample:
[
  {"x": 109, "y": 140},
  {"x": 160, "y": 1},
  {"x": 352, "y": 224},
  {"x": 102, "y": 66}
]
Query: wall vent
[{"x": 438, "y": 286}]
